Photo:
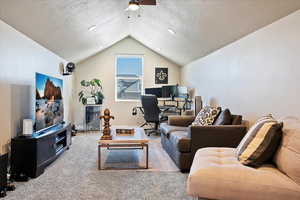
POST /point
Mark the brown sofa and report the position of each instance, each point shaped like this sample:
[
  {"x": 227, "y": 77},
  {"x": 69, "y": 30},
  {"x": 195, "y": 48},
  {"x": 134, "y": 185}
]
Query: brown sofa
[
  {"x": 181, "y": 140},
  {"x": 217, "y": 174}
]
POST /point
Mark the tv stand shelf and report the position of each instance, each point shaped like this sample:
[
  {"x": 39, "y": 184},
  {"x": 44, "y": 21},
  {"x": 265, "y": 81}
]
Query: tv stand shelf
[
  {"x": 32, "y": 154},
  {"x": 59, "y": 139}
]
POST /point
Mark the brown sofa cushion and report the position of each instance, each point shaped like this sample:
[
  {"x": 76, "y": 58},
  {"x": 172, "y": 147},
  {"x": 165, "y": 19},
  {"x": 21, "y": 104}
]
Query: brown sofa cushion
[
  {"x": 236, "y": 119},
  {"x": 181, "y": 141},
  {"x": 183, "y": 120},
  {"x": 287, "y": 157},
  {"x": 224, "y": 118},
  {"x": 167, "y": 129}
]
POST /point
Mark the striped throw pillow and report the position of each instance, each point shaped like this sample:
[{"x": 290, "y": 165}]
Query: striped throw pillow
[
  {"x": 252, "y": 133},
  {"x": 263, "y": 146}
]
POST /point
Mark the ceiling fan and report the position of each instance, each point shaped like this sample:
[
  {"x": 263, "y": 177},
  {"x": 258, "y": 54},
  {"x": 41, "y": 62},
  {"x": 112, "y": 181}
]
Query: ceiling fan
[{"x": 135, "y": 5}]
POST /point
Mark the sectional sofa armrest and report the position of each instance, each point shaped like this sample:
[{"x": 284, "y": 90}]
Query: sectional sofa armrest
[
  {"x": 216, "y": 136},
  {"x": 181, "y": 120}
]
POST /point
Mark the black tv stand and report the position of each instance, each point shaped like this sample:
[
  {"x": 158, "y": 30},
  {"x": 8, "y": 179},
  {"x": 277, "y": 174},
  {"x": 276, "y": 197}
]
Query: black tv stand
[{"x": 30, "y": 155}]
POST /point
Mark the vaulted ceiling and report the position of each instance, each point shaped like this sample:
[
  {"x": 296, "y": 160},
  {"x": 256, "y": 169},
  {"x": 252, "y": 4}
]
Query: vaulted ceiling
[{"x": 201, "y": 26}]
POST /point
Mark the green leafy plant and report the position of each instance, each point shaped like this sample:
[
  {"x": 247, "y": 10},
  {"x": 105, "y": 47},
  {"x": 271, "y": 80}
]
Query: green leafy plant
[{"x": 91, "y": 89}]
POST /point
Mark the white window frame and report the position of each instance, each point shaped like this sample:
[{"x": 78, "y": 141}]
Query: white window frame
[{"x": 141, "y": 78}]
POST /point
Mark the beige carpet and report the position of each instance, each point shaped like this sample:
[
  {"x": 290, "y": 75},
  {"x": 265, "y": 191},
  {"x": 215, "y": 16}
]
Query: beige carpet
[{"x": 74, "y": 176}]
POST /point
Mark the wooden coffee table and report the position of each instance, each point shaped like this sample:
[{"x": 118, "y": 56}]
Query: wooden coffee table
[{"x": 125, "y": 142}]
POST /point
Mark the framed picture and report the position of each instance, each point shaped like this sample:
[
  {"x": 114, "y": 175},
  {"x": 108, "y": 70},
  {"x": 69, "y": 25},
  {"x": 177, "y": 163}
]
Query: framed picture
[{"x": 161, "y": 75}]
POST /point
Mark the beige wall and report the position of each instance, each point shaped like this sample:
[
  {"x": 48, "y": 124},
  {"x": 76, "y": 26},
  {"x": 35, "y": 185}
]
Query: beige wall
[
  {"x": 102, "y": 66},
  {"x": 20, "y": 58},
  {"x": 256, "y": 75}
]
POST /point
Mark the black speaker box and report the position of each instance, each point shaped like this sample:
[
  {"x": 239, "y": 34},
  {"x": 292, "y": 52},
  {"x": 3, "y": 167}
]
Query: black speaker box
[{"x": 3, "y": 174}]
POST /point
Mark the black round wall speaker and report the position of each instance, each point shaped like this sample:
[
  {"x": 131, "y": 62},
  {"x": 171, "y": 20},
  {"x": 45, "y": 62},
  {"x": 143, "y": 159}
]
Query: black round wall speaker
[{"x": 70, "y": 67}]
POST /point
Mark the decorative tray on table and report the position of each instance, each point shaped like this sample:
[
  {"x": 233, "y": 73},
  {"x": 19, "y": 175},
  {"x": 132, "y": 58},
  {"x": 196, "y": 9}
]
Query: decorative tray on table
[{"x": 125, "y": 131}]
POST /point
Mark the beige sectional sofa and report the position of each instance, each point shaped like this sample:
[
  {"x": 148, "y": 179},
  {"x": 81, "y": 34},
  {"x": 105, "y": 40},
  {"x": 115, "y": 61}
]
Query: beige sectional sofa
[{"x": 217, "y": 174}]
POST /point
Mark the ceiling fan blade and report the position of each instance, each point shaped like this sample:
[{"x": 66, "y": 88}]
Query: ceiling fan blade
[{"x": 148, "y": 2}]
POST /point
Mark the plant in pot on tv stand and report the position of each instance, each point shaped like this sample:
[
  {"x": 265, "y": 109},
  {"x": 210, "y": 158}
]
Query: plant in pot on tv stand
[
  {"x": 91, "y": 89},
  {"x": 91, "y": 97}
]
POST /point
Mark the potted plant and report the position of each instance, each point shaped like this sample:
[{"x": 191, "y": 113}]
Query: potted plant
[{"x": 91, "y": 89}]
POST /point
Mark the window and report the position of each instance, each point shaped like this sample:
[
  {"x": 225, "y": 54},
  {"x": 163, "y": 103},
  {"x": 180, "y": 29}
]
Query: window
[{"x": 129, "y": 78}]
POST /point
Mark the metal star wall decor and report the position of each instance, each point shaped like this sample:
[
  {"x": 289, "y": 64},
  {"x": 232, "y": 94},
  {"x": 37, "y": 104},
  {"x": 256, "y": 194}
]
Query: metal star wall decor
[{"x": 161, "y": 75}]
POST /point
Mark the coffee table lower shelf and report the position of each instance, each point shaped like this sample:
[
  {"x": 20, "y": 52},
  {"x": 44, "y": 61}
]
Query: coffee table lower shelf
[{"x": 121, "y": 146}]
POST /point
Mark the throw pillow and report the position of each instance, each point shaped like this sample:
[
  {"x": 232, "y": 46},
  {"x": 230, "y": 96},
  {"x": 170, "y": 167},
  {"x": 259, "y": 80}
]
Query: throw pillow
[
  {"x": 252, "y": 132},
  {"x": 207, "y": 116},
  {"x": 224, "y": 118},
  {"x": 263, "y": 146}
]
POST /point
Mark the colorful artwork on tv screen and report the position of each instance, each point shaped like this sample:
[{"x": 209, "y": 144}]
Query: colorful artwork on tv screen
[{"x": 49, "y": 109}]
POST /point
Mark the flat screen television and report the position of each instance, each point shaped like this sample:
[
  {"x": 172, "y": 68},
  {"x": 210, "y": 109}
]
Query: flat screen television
[
  {"x": 169, "y": 91},
  {"x": 182, "y": 92},
  {"x": 49, "y": 109},
  {"x": 155, "y": 91}
]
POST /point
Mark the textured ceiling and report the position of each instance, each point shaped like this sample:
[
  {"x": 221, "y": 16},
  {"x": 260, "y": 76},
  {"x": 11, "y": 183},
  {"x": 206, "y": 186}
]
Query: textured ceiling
[{"x": 201, "y": 26}]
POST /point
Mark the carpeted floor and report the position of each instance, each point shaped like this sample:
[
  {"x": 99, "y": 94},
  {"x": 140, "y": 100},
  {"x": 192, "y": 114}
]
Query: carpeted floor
[{"x": 74, "y": 176}]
